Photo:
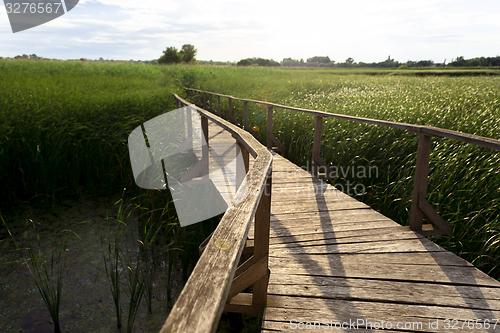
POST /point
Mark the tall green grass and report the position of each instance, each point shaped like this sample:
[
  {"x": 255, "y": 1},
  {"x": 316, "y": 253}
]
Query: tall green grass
[
  {"x": 463, "y": 180},
  {"x": 64, "y": 125}
]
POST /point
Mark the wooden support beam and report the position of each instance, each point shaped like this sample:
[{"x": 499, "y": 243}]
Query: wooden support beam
[
  {"x": 242, "y": 303},
  {"x": 230, "y": 111},
  {"x": 443, "y": 228},
  {"x": 420, "y": 181},
  {"x": 261, "y": 241},
  {"x": 248, "y": 277}
]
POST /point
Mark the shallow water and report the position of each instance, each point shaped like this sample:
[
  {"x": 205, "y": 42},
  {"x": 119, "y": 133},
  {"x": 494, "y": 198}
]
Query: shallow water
[{"x": 86, "y": 303}]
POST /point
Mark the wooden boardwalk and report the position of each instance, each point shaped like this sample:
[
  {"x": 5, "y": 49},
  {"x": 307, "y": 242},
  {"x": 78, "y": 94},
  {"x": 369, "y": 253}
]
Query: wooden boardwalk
[{"x": 336, "y": 264}]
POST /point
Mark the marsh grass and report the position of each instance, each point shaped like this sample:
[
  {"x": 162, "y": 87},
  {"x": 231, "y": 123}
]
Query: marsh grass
[
  {"x": 47, "y": 271},
  {"x": 65, "y": 125}
]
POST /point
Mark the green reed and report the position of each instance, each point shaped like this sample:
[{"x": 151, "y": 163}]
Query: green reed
[{"x": 47, "y": 271}]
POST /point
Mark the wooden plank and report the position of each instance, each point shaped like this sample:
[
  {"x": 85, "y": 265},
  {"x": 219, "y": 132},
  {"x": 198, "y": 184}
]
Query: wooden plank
[
  {"x": 440, "y": 258},
  {"x": 333, "y": 247},
  {"x": 330, "y": 205},
  {"x": 280, "y": 326},
  {"x": 309, "y": 265},
  {"x": 483, "y": 298},
  {"x": 325, "y": 228},
  {"x": 364, "y": 214},
  {"x": 340, "y": 236},
  {"x": 304, "y": 309},
  {"x": 363, "y": 236},
  {"x": 322, "y": 228}
]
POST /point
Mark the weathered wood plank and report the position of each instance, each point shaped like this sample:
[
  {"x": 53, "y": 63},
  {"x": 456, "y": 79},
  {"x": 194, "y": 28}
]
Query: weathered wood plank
[
  {"x": 332, "y": 247},
  {"x": 303, "y": 309},
  {"x": 340, "y": 236},
  {"x": 282, "y": 231},
  {"x": 331, "y": 205},
  {"x": 384, "y": 291},
  {"x": 280, "y": 326},
  {"x": 342, "y": 267},
  {"x": 363, "y": 236},
  {"x": 440, "y": 258}
]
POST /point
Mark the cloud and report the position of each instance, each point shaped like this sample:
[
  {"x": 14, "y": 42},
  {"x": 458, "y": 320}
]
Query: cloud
[{"x": 228, "y": 30}]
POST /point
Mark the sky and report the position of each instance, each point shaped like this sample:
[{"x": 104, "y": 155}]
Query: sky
[{"x": 230, "y": 30}]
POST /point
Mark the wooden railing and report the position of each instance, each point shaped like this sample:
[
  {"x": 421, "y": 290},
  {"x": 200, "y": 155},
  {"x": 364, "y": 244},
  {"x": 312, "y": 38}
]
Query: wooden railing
[
  {"x": 217, "y": 282},
  {"x": 420, "y": 207}
]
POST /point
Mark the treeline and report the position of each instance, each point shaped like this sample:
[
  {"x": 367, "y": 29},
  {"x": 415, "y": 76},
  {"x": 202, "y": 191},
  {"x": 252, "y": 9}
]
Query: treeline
[
  {"x": 476, "y": 62},
  {"x": 350, "y": 63},
  {"x": 325, "y": 61},
  {"x": 38, "y": 58}
]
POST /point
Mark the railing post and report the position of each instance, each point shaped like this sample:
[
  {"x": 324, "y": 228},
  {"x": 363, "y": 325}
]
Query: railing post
[
  {"x": 204, "y": 151},
  {"x": 218, "y": 105},
  {"x": 230, "y": 111},
  {"x": 245, "y": 115},
  {"x": 204, "y": 101},
  {"x": 211, "y": 103},
  {"x": 269, "y": 126},
  {"x": 261, "y": 241},
  {"x": 318, "y": 127},
  {"x": 420, "y": 181},
  {"x": 189, "y": 123}
]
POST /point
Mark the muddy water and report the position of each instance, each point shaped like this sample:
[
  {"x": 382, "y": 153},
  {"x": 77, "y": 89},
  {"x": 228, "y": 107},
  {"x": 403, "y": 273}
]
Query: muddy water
[{"x": 86, "y": 303}]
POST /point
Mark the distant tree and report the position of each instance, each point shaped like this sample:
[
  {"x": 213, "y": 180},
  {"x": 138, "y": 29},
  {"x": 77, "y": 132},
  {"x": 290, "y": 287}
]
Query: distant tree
[
  {"x": 425, "y": 63},
  {"x": 258, "y": 62},
  {"x": 170, "y": 56},
  {"x": 245, "y": 62},
  {"x": 349, "y": 61},
  {"x": 320, "y": 60},
  {"x": 188, "y": 53}
]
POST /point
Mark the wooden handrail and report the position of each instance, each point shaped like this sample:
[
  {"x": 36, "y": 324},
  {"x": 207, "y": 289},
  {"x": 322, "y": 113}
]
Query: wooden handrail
[
  {"x": 217, "y": 274},
  {"x": 420, "y": 207},
  {"x": 412, "y": 128}
]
